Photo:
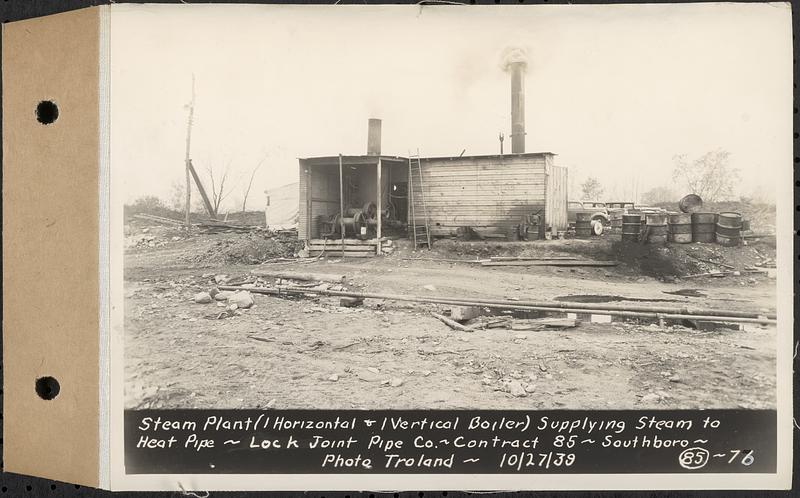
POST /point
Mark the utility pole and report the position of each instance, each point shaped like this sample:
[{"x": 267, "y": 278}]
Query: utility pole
[{"x": 188, "y": 161}]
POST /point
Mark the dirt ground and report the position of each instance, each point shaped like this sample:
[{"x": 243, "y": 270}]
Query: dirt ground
[{"x": 312, "y": 353}]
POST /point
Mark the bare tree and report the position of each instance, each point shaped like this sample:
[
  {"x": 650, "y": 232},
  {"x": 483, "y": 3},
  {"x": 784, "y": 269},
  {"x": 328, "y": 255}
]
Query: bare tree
[
  {"x": 250, "y": 183},
  {"x": 708, "y": 176},
  {"x": 219, "y": 191},
  {"x": 658, "y": 195},
  {"x": 178, "y": 196},
  {"x": 591, "y": 189}
]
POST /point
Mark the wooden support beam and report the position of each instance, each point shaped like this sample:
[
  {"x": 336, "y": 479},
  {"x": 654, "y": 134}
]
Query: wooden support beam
[
  {"x": 202, "y": 190},
  {"x": 380, "y": 206},
  {"x": 341, "y": 203}
]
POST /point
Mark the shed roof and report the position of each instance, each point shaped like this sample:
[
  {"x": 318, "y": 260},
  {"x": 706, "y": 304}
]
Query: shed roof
[
  {"x": 488, "y": 156},
  {"x": 351, "y": 160},
  {"x": 369, "y": 159}
]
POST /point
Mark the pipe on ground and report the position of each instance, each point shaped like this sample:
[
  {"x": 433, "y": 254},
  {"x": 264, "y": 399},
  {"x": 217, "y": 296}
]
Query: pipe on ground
[{"x": 671, "y": 314}]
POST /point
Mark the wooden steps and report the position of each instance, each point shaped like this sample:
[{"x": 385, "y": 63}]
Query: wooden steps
[{"x": 353, "y": 248}]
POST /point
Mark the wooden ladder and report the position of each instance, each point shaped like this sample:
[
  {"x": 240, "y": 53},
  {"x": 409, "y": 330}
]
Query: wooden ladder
[{"x": 420, "y": 233}]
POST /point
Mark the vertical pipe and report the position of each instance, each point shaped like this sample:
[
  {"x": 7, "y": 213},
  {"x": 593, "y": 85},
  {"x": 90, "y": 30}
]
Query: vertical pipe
[
  {"x": 341, "y": 204},
  {"x": 517, "y": 107},
  {"x": 380, "y": 205}
]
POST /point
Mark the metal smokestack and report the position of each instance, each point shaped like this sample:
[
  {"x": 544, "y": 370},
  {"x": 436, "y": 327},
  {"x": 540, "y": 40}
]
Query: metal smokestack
[
  {"x": 374, "y": 137},
  {"x": 514, "y": 60},
  {"x": 517, "y": 70}
]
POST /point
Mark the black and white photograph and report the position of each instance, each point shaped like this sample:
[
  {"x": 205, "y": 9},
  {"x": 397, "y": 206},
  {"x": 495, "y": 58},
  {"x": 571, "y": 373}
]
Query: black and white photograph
[{"x": 451, "y": 208}]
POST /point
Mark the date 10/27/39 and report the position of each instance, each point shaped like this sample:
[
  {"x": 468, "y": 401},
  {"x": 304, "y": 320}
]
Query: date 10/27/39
[{"x": 544, "y": 460}]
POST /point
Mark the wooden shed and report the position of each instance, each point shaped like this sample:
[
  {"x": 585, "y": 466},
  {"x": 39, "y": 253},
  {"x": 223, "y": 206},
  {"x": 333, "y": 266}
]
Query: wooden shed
[
  {"x": 332, "y": 183},
  {"x": 492, "y": 192}
]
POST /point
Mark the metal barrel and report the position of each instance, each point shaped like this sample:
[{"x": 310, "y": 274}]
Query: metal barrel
[
  {"x": 657, "y": 228},
  {"x": 583, "y": 225},
  {"x": 729, "y": 219},
  {"x": 680, "y": 228},
  {"x": 745, "y": 225},
  {"x": 616, "y": 220},
  {"x": 656, "y": 219},
  {"x": 704, "y": 227},
  {"x": 726, "y": 241},
  {"x": 729, "y": 229},
  {"x": 691, "y": 203},
  {"x": 631, "y": 226}
]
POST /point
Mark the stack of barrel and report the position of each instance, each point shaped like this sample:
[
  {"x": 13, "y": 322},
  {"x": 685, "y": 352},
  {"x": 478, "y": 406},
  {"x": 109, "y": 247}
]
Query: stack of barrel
[
  {"x": 583, "y": 225},
  {"x": 631, "y": 226},
  {"x": 729, "y": 229},
  {"x": 680, "y": 228},
  {"x": 657, "y": 229}
]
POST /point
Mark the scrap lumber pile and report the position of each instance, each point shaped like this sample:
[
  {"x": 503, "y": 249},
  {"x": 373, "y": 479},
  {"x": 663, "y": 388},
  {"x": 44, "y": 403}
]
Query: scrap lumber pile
[
  {"x": 159, "y": 219},
  {"x": 472, "y": 321},
  {"x": 212, "y": 226},
  {"x": 207, "y": 226}
]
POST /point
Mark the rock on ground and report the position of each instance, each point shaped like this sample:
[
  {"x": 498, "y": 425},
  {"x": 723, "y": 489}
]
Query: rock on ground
[
  {"x": 242, "y": 299},
  {"x": 203, "y": 298}
]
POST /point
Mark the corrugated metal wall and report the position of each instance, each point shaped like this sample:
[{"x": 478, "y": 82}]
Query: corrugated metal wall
[
  {"x": 319, "y": 196},
  {"x": 556, "y": 210},
  {"x": 490, "y": 191}
]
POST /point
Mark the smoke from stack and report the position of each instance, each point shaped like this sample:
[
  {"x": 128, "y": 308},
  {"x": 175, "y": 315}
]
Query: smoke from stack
[
  {"x": 515, "y": 62},
  {"x": 374, "y": 137}
]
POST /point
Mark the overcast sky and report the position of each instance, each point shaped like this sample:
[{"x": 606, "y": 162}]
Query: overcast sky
[{"x": 615, "y": 91}]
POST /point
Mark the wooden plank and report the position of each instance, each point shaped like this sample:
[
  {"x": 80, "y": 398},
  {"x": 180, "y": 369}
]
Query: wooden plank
[
  {"x": 347, "y": 242},
  {"x": 526, "y": 258},
  {"x": 293, "y": 275},
  {"x": 551, "y": 263},
  {"x": 450, "y": 323},
  {"x": 463, "y": 313},
  {"x": 338, "y": 254},
  {"x": 338, "y": 248}
]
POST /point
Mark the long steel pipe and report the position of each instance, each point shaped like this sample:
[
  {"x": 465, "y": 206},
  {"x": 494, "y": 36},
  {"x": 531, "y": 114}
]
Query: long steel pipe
[{"x": 667, "y": 313}]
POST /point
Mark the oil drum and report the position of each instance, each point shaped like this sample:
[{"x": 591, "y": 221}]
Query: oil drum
[
  {"x": 583, "y": 225},
  {"x": 657, "y": 229},
  {"x": 631, "y": 226},
  {"x": 680, "y": 228},
  {"x": 704, "y": 227},
  {"x": 616, "y": 220},
  {"x": 691, "y": 203},
  {"x": 729, "y": 229}
]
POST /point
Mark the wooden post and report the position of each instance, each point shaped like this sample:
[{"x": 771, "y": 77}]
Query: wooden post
[
  {"x": 380, "y": 206},
  {"x": 341, "y": 203},
  {"x": 188, "y": 164}
]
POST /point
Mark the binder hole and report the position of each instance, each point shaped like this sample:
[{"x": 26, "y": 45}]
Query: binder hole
[
  {"x": 46, "y": 112},
  {"x": 47, "y": 387}
]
